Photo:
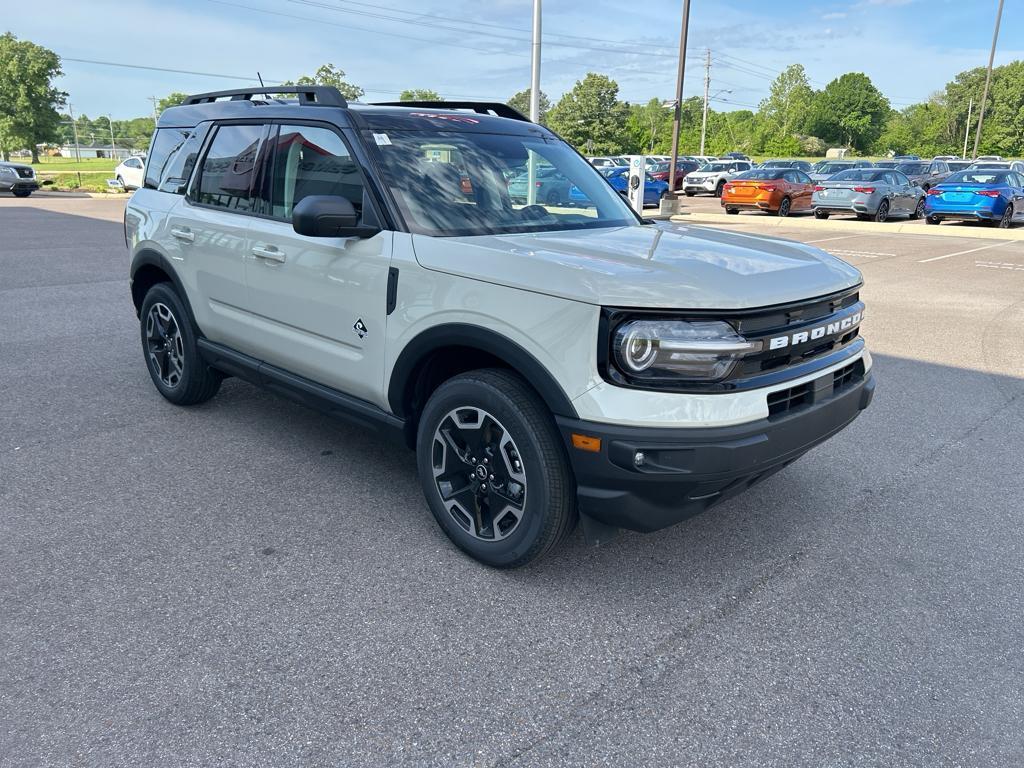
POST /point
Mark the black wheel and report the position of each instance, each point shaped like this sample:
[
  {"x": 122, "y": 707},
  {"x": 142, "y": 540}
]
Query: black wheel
[
  {"x": 121, "y": 182},
  {"x": 883, "y": 212},
  {"x": 665, "y": 195},
  {"x": 784, "y": 207},
  {"x": 933, "y": 220},
  {"x": 719, "y": 189},
  {"x": 918, "y": 210},
  {"x": 22, "y": 192},
  {"x": 1007, "y": 218},
  {"x": 732, "y": 211},
  {"x": 821, "y": 214},
  {"x": 169, "y": 343},
  {"x": 690, "y": 194},
  {"x": 493, "y": 469},
  {"x": 552, "y": 198}
]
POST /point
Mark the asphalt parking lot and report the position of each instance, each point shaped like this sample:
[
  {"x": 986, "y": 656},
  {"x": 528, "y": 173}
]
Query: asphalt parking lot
[{"x": 245, "y": 583}]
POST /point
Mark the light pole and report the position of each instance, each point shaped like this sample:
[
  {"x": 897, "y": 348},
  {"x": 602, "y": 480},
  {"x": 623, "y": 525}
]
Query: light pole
[
  {"x": 113, "y": 149},
  {"x": 678, "y": 110},
  {"x": 704, "y": 122},
  {"x": 988, "y": 79},
  {"x": 531, "y": 176},
  {"x": 967, "y": 129}
]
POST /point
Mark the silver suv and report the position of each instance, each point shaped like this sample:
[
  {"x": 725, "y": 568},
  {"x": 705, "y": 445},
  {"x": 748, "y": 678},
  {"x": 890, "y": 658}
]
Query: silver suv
[{"x": 548, "y": 364}]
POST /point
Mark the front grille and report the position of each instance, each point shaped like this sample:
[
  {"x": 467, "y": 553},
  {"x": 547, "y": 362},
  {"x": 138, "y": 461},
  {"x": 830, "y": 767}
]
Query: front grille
[
  {"x": 786, "y": 400},
  {"x": 25, "y": 173},
  {"x": 847, "y": 375}
]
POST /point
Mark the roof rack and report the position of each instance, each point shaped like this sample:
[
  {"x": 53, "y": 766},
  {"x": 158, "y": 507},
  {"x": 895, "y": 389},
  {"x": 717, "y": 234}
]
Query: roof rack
[
  {"x": 308, "y": 95},
  {"x": 480, "y": 107}
]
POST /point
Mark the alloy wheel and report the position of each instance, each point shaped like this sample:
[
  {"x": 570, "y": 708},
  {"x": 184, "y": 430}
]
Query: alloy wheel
[
  {"x": 479, "y": 473},
  {"x": 1007, "y": 217},
  {"x": 164, "y": 344}
]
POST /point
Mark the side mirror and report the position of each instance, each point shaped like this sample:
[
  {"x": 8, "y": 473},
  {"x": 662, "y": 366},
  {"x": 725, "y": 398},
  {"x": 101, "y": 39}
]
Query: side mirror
[{"x": 328, "y": 216}]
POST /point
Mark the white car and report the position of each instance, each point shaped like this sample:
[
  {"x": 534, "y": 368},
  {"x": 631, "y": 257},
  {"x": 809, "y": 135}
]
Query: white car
[
  {"x": 710, "y": 178},
  {"x": 131, "y": 172},
  {"x": 547, "y": 364}
]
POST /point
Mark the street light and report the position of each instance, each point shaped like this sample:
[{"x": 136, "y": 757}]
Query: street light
[{"x": 704, "y": 122}]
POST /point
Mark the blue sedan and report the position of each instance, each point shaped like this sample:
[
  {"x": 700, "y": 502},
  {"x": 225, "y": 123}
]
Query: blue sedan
[
  {"x": 654, "y": 190},
  {"x": 978, "y": 195}
]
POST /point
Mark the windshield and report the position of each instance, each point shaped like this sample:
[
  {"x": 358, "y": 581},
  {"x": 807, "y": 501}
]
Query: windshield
[
  {"x": 887, "y": 164},
  {"x": 912, "y": 168},
  {"x": 831, "y": 167},
  {"x": 991, "y": 166},
  {"x": 958, "y": 165},
  {"x": 976, "y": 177},
  {"x": 449, "y": 183},
  {"x": 762, "y": 173},
  {"x": 858, "y": 174},
  {"x": 777, "y": 164},
  {"x": 715, "y": 167}
]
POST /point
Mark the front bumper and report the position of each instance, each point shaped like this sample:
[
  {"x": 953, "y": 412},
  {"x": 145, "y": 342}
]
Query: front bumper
[
  {"x": 18, "y": 185},
  {"x": 686, "y": 471},
  {"x": 707, "y": 185}
]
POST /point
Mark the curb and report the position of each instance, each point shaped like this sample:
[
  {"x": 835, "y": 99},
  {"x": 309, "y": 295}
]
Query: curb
[
  {"x": 93, "y": 195},
  {"x": 852, "y": 226}
]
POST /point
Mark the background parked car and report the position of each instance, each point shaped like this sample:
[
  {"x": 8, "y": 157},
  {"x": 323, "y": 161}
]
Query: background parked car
[
  {"x": 906, "y": 158},
  {"x": 654, "y": 190},
  {"x": 773, "y": 190},
  {"x": 926, "y": 174},
  {"x": 800, "y": 165},
  {"x": 998, "y": 165},
  {"x": 602, "y": 162},
  {"x": 711, "y": 178},
  {"x": 958, "y": 165},
  {"x": 870, "y": 193},
  {"x": 887, "y": 163},
  {"x": 978, "y": 195},
  {"x": 683, "y": 168},
  {"x": 825, "y": 169},
  {"x": 735, "y": 156},
  {"x": 130, "y": 173},
  {"x": 18, "y": 179},
  {"x": 552, "y": 186}
]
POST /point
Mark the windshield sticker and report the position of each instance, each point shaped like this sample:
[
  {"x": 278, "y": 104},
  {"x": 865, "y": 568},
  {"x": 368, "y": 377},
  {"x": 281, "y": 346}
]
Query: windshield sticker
[{"x": 382, "y": 139}]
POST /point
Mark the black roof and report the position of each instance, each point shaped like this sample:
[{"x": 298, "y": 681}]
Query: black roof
[{"x": 318, "y": 102}]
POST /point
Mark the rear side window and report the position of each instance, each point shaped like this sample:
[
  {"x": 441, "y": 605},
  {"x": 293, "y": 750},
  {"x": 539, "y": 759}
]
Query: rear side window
[
  {"x": 227, "y": 172},
  {"x": 172, "y": 156},
  {"x": 309, "y": 160}
]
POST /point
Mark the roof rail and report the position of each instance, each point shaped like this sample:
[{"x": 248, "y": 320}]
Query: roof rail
[
  {"x": 308, "y": 95},
  {"x": 480, "y": 107}
]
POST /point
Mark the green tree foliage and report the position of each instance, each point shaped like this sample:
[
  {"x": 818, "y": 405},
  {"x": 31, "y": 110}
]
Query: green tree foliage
[
  {"x": 521, "y": 102},
  {"x": 591, "y": 117},
  {"x": 850, "y": 111},
  {"x": 419, "y": 94},
  {"x": 650, "y": 128},
  {"x": 170, "y": 100},
  {"x": 328, "y": 74},
  {"x": 785, "y": 112},
  {"x": 28, "y": 99}
]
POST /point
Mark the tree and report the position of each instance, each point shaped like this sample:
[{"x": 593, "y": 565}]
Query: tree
[
  {"x": 170, "y": 100},
  {"x": 784, "y": 113},
  {"x": 28, "y": 100},
  {"x": 650, "y": 128},
  {"x": 850, "y": 111},
  {"x": 328, "y": 74},
  {"x": 591, "y": 117},
  {"x": 521, "y": 102},
  {"x": 419, "y": 94}
]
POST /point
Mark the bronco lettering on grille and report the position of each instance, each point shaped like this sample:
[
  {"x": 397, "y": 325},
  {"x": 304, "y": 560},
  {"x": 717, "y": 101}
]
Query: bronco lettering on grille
[{"x": 819, "y": 332}]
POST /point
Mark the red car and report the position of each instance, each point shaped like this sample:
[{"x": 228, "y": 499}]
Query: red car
[
  {"x": 683, "y": 167},
  {"x": 773, "y": 190}
]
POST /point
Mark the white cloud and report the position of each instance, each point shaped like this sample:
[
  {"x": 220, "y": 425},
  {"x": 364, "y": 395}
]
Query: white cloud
[{"x": 834, "y": 15}]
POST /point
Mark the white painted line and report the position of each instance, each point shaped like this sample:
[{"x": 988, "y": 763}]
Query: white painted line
[
  {"x": 830, "y": 239},
  {"x": 864, "y": 254},
  {"x": 1000, "y": 265},
  {"x": 962, "y": 253}
]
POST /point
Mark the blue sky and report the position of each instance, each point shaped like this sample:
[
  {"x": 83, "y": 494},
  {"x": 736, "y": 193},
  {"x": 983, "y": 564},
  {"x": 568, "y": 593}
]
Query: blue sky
[{"x": 468, "y": 48}]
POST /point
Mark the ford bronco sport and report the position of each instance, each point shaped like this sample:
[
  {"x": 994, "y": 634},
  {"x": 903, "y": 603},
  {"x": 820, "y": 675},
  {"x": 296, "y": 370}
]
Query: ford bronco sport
[{"x": 548, "y": 364}]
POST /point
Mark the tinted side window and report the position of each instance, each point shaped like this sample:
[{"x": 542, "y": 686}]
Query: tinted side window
[
  {"x": 228, "y": 167},
  {"x": 308, "y": 160},
  {"x": 179, "y": 165},
  {"x": 166, "y": 142}
]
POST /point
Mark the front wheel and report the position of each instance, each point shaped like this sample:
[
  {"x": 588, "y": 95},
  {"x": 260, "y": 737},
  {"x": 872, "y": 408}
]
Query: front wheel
[
  {"x": 918, "y": 210},
  {"x": 172, "y": 356},
  {"x": 22, "y": 192},
  {"x": 720, "y": 189},
  {"x": 493, "y": 469}
]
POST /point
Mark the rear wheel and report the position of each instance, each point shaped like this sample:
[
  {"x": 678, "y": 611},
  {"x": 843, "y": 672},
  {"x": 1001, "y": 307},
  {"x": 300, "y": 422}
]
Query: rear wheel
[
  {"x": 1007, "y": 218},
  {"x": 821, "y": 214},
  {"x": 493, "y": 469},
  {"x": 784, "y": 207},
  {"x": 918, "y": 210},
  {"x": 169, "y": 343},
  {"x": 732, "y": 211},
  {"x": 552, "y": 198},
  {"x": 882, "y": 214}
]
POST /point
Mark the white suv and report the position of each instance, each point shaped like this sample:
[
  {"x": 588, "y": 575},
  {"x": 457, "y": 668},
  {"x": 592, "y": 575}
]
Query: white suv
[
  {"x": 547, "y": 363},
  {"x": 711, "y": 177}
]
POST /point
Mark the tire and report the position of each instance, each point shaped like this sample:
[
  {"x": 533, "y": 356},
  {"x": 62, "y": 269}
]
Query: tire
[
  {"x": 821, "y": 215},
  {"x": 495, "y": 404},
  {"x": 1006, "y": 220},
  {"x": 21, "y": 192},
  {"x": 552, "y": 198},
  {"x": 882, "y": 213},
  {"x": 179, "y": 373},
  {"x": 665, "y": 195},
  {"x": 733, "y": 211},
  {"x": 918, "y": 210},
  {"x": 784, "y": 207},
  {"x": 121, "y": 182},
  {"x": 689, "y": 194},
  {"x": 719, "y": 189},
  {"x": 933, "y": 220}
]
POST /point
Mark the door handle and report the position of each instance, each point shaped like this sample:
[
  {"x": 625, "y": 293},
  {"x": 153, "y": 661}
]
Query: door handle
[
  {"x": 268, "y": 253},
  {"x": 183, "y": 234}
]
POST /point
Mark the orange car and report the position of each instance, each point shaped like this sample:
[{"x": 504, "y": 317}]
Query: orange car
[{"x": 775, "y": 190}]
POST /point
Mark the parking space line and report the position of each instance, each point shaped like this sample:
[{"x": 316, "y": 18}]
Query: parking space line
[
  {"x": 830, "y": 239},
  {"x": 1000, "y": 265},
  {"x": 962, "y": 253},
  {"x": 866, "y": 254}
]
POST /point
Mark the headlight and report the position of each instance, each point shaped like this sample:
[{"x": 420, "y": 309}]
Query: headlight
[{"x": 653, "y": 350}]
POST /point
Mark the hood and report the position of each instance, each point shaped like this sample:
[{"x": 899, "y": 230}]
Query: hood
[
  {"x": 22, "y": 166},
  {"x": 676, "y": 267}
]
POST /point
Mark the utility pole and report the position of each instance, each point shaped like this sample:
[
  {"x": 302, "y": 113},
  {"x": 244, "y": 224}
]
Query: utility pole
[
  {"x": 988, "y": 79},
  {"x": 156, "y": 116},
  {"x": 74, "y": 128},
  {"x": 531, "y": 176},
  {"x": 678, "y": 113},
  {"x": 113, "y": 149},
  {"x": 707, "y": 87},
  {"x": 967, "y": 129}
]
